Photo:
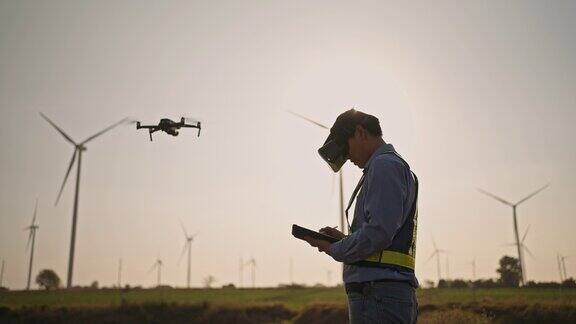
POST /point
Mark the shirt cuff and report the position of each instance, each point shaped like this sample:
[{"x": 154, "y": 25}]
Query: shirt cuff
[{"x": 335, "y": 251}]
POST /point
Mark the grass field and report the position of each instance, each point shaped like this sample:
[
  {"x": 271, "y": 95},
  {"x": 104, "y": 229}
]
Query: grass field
[
  {"x": 294, "y": 299},
  {"x": 437, "y": 305}
]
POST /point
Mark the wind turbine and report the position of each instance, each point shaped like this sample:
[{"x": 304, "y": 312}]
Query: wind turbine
[
  {"x": 436, "y": 253},
  {"x": 31, "y": 243},
  {"x": 291, "y": 272},
  {"x": 524, "y": 249},
  {"x": 342, "y": 228},
  {"x": 120, "y": 273},
  {"x": 252, "y": 264},
  {"x": 514, "y": 205},
  {"x": 78, "y": 149},
  {"x": 563, "y": 262},
  {"x": 158, "y": 266},
  {"x": 473, "y": 264},
  {"x": 2, "y": 272},
  {"x": 447, "y": 267},
  {"x": 241, "y": 282},
  {"x": 187, "y": 246},
  {"x": 559, "y": 264}
]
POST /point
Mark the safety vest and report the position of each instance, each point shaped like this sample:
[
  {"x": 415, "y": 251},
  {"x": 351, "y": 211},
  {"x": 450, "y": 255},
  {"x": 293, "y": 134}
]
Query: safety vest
[{"x": 401, "y": 254}]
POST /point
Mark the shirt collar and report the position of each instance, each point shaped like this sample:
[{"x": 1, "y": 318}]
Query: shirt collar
[{"x": 384, "y": 148}]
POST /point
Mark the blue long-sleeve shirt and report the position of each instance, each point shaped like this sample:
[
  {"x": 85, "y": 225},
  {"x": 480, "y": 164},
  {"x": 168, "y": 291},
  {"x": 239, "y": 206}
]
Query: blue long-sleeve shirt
[{"x": 382, "y": 206}]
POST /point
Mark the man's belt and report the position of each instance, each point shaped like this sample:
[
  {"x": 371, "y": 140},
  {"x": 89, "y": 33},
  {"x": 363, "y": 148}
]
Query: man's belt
[{"x": 365, "y": 288}]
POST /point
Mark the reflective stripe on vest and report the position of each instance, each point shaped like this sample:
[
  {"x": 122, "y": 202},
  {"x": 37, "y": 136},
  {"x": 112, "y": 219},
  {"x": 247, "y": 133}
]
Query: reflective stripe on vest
[
  {"x": 393, "y": 257},
  {"x": 388, "y": 258}
]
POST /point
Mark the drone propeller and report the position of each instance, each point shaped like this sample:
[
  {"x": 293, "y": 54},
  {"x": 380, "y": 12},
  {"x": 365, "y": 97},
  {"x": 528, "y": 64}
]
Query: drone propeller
[{"x": 191, "y": 120}]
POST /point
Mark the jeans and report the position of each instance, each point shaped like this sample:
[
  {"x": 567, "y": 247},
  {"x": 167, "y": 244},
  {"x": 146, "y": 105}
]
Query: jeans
[{"x": 383, "y": 302}]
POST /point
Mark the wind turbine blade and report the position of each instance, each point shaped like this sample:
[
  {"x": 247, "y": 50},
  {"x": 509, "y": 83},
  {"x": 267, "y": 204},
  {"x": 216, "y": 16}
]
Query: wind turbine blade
[
  {"x": 68, "y": 138},
  {"x": 308, "y": 119},
  {"x": 195, "y": 234},
  {"x": 528, "y": 250},
  {"x": 532, "y": 194},
  {"x": 183, "y": 228},
  {"x": 434, "y": 245},
  {"x": 183, "y": 251},
  {"x": 66, "y": 176},
  {"x": 495, "y": 197},
  {"x": 153, "y": 267},
  {"x": 104, "y": 131},
  {"x": 29, "y": 239},
  {"x": 525, "y": 233},
  {"x": 431, "y": 256},
  {"x": 35, "y": 209}
]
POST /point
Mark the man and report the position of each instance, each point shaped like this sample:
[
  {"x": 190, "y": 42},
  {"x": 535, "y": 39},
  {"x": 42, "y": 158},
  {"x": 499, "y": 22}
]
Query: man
[{"x": 378, "y": 254}]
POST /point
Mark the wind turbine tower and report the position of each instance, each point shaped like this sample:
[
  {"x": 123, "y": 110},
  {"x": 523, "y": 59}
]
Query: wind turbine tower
[
  {"x": 120, "y": 273},
  {"x": 559, "y": 264},
  {"x": 2, "y": 272},
  {"x": 473, "y": 264},
  {"x": 514, "y": 216},
  {"x": 187, "y": 247},
  {"x": 563, "y": 262},
  {"x": 524, "y": 249},
  {"x": 31, "y": 243},
  {"x": 158, "y": 266},
  {"x": 241, "y": 270},
  {"x": 78, "y": 149},
  {"x": 436, "y": 253},
  {"x": 291, "y": 272},
  {"x": 447, "y": 267},
  {"x": 252, "y": 264}
]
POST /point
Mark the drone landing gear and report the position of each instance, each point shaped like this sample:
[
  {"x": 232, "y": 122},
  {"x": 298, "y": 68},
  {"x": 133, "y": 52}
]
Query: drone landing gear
[{"x": 150, "y": 132}]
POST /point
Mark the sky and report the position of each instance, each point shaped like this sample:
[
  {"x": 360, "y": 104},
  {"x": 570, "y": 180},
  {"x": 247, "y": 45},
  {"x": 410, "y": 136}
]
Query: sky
[{"x": 474, "y": 95}]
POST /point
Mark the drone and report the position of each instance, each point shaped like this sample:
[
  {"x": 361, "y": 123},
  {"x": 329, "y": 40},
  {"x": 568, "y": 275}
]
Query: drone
[{"x": 169, "y": 126}]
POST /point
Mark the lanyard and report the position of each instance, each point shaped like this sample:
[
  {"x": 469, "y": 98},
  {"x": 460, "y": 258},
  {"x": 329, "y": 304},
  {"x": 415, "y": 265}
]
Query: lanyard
[{"x": 354, "y": 193}]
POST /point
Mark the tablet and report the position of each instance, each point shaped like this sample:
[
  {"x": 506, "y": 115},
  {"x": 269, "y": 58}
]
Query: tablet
[{"x": 301, "y": 232}]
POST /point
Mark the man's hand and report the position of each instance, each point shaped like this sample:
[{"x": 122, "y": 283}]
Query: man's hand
[
  {"x": 323, "y": 246},
  {"x": 331, "y": 231}
]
